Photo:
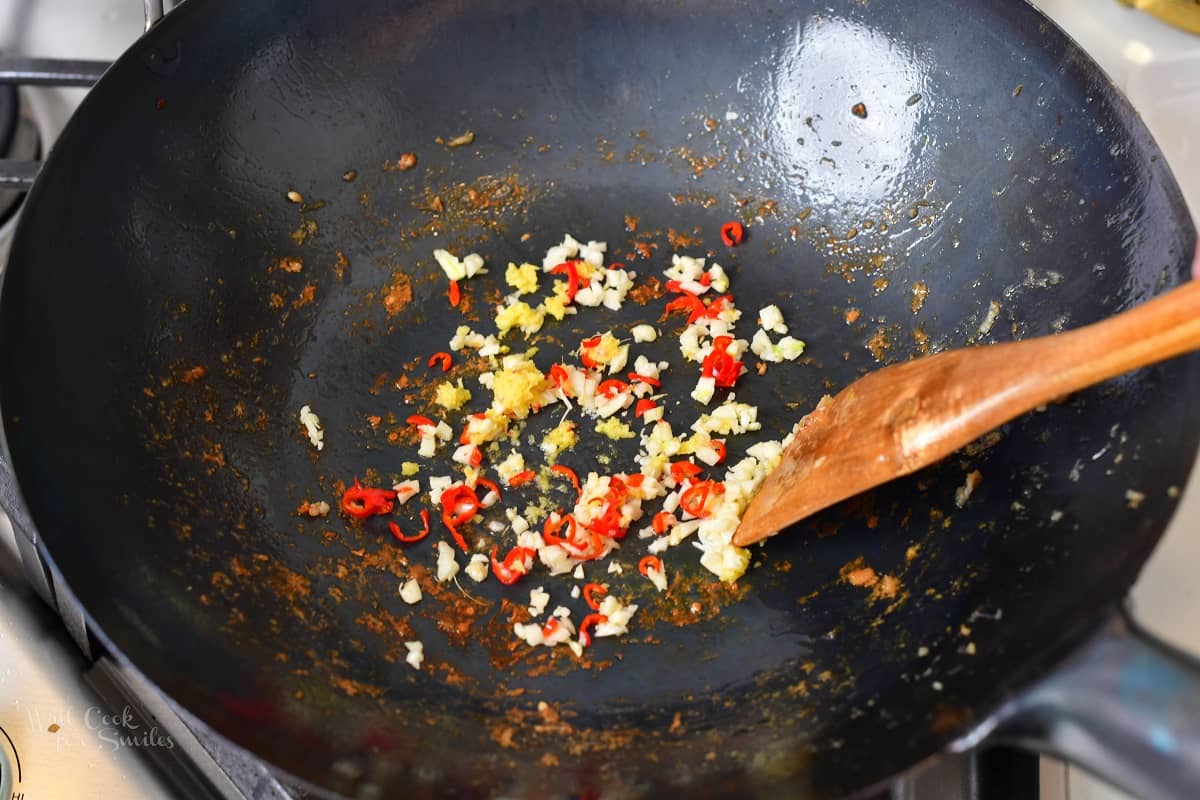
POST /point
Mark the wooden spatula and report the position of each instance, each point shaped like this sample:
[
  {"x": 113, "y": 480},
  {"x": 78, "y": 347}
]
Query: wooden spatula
[{"x": 906, "y": 416}]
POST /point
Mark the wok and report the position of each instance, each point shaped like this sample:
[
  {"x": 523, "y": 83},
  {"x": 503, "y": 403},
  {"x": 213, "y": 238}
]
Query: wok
[{"x": 154, "y": 357}]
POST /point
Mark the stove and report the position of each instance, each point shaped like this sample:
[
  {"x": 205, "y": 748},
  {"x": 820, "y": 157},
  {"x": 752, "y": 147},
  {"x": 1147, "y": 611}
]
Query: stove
[{"x": 79, "y": 726}]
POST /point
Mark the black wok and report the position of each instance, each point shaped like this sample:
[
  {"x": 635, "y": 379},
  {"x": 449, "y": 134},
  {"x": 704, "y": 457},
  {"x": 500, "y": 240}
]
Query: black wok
[{"x": 153, "y": 359}]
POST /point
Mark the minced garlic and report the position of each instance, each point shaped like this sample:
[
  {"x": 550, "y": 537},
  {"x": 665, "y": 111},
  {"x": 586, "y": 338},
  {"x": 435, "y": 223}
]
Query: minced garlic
[
  {"x": 523, "y": 278},
  {"x": 562, "y": 437},
  {"x": 451, "y": 396},
  {"x": 614, "y": 428}
]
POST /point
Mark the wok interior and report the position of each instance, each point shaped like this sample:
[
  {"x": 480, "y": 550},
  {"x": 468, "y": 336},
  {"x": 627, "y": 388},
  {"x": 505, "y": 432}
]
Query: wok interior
[{"x": 180, "y": 536}]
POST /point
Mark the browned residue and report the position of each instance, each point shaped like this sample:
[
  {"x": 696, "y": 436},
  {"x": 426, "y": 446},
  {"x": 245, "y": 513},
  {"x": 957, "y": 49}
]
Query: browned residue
[
  {"x": 307, "y": 294},
  {"x": 353, "y": 688},
  {"x": 642, "y": 249},
  {"x": 291, "y": 264},
  {"x": 631, "y": 224},
  {"x": 880, "y": 344},
  {"x": 646, "y": 290},
  {"x": 406, "y": 162},
  {"x": 887, "y": 588},
  {"x": 711, "y": 124},
  {"x": 852, "y": 315},
  {"x": 699, "y": 164},
  {"x": 192, "y": 375},
  {"x": 681, "y": 241},
  {"x": 921, "y": 340},
  {"x": 398, "y": 294},
  {"x": 862, "y": 576},
  {"x": 920, "y": 290}
]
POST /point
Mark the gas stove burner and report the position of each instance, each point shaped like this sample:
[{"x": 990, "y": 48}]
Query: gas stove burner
[{"x": 19, "y": 141}]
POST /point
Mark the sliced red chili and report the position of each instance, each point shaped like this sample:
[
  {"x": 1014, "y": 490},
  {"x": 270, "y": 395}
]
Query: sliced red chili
[
  {"x": 453, "y": 498},
  {"x": 644, "y": 405},
  {"x": 506, "y": 571},
  {"x": 611, "y": 388},
  {"x": 558, "y": 374},
  {"x": 732, "y": 234},
  {"x": 589, "y": 592},
  {"x": 443, "y": 358},
  {"x": 635, "y": 377},
  {"x": 554, "y": 525},
  {"x": 396, "y": 532},
  {"x": 476, "y": 457},
  {"x": 684, "y": 469},
  {"x": 362, "y": 502},
  {"x": 521, "y": 477},
  {"x": 635, "y": 480},
  {"x": 455, "y": 294},
  {"x": 719, "y": 446},
  {"x": 718, "y": 305},
  {"x": 490, "y": 485},
  {"x": 689, "y": 303},
  {"x": 584, "y": 346},
  {"x": 568, "y": 268},
  {"x": 590, "y": 621},
  {"x": 723, "y": 368},
  {"x": 570, "y": 473},
  {"x": 663, "y": 521},
  {"x": 650, "y": 562},
  {"x": 458, "y": 537},
  {"x": 694, "y": 500},
  {"x": 550, "y": 627},
  {"x": 420, "y": 421}
]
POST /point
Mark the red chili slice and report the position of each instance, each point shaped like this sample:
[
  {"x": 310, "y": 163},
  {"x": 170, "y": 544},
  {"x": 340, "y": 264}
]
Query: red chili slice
[
  {"x": 420, "y": 421},
  {"x": 570, "y": 473},
  {"x": 572, "y": 273},
  {"x": 719, "y": 446},
  {"x": 591, "y": 589},
  {"x": 521, "y": 478},
  {"x": 455, "y": 294},
  {"x": 635, "y": 377},
  {"x": 454, "y": 497},
  {"x": 553, "y": 526},
  {"x": 550, "y": 627},
  {"x": 689, "y": 303},
  {"x": 694, "y": 500},
  {"x": 362, "y": 502},
  {"x": 558, "y": 374},
  {"x": 732, "y": 234},
  {"x": 644, "y": 405},
  {"x": 663, "y": 521},
  {"x": 590, "y": 621},
  {"x": 396, "y": 532},
  {"x": 443, "y": 358},
  {"x": 458, "y": 537},
  {"x": 684, "y": 469},
  {"x": 611, "y": 388},
  {"x": 506, "y": 571},
  {"x": 649, "y": 562}
]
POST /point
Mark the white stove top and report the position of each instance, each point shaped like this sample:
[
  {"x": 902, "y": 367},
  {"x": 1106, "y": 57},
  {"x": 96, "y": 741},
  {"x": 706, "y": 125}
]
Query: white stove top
[{"x": 69, "y": 748}]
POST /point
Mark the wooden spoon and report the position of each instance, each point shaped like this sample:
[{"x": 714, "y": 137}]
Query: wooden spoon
[{"x": 894, "y": 421}]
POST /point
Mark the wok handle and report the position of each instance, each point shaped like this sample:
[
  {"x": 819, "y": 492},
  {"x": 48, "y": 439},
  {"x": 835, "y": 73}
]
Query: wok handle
[{"x": 1125, "y": 707}]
